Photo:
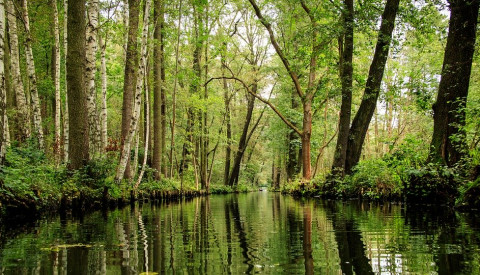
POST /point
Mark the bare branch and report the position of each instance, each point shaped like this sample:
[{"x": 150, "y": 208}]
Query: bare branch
[{"x": 247, "y": 88}]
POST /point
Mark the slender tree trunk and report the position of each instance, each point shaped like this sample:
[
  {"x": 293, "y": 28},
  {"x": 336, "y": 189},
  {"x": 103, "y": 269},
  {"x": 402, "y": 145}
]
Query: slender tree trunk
[
  {"x": 58, "y": 101},
  {"x": 3, "y": 92},
  {"x": 77, "y": 100},
  {"x": 23, "y": 114},
  {"x": 307, "y": 133},
  {"x": 158, "y": 90},
  {"x": 130, "y": 79},
  {"x": 125, "y": 154},
  {"x": 346, "y": 76},
  {"x": 293, "y": 146},
  {"x": 360, "y": 123},
  {"x": 37, "y": 116},
  {"x": 66, "y": 123},
  {"x": 448, "y": 142},
  {"x": 228, "y": 149},
  {"x": 91, "y": 69},
  {"x": 174, "y": 93},
  {"x": 103, "y": 113},
  {"x": 147, "y": 131}
]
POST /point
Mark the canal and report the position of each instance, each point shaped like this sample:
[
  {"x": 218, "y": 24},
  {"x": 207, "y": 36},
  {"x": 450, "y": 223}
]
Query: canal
[{"x": 260, "y": 232}]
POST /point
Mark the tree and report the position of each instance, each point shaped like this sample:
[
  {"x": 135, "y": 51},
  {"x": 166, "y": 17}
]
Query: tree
[
  {"x": 361, "y": 121},
  {"x": 37, "y": 115},
  {"x": 159, "y": 90},
  {"x": 77, "y": 100},
  {"x": 132, "y": 129},
  {"x": 345, "y": 45},
  {"x": 91, "y": 69},
  {"x": 448, "y": 141},
  {"x": 130, "y": 78},
  {"x": 23, "y": 113},
  {"x": 3, "y": 93},
  {"x": 58, "y": 102}
]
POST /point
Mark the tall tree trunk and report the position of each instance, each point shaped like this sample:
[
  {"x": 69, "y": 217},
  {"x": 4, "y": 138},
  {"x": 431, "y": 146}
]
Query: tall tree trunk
[
  {"x": 242, "y": 144},
  {"x": 174, "y": 93},
  {"x": 346, "y": 76},
  {"x": 3, "y": 92},
  {"x": 130, "y": 78},
  {"x": 158, "y": 90},
  {"x": 37, "y": 116},
  {"x": 147, "y": 131},
  {"x": 91, "y": 69},
  {"x": 360, "y": 123},
  {"x": 103, "y": 113},
  {"x": 56, "y": 76},
  {"x": 23, "y": 114},
  {"x": 125, "y": 154},
  {"x": 228, "y": 148},
  {"x": 307, "y": 133},
  {"x": 448, "y": 141},
  {"x": 77, "y": 100},
  {"x": 66, "y": 121}
]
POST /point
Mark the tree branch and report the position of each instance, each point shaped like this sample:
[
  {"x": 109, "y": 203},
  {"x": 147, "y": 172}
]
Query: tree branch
[
  {"x": 282, "y": 117},
  {"x": 279, "y": 51}
]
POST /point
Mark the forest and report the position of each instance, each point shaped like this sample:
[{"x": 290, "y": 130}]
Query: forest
[{"x": 109, "y": 100}]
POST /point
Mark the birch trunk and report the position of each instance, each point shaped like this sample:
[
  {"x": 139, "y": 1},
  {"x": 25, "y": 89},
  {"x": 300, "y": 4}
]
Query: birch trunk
[
  {"x": 147, "y": 132},
  {"x": 23, "y": 114},
  {"x": 66, "y": 123},
  {"x": 3, "y": 91},
  {"x": 56, "y": 146},
  {"x": 91, "y": 69},
  {"x": 37, "y": 115},
  {"x": 125, "y": 154},
  {"x": 103, "y": 113}
]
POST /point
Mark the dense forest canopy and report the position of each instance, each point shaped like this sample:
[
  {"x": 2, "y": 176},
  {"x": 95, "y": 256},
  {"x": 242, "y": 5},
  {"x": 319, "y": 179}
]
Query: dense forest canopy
[{"x": 337, "y": 95}]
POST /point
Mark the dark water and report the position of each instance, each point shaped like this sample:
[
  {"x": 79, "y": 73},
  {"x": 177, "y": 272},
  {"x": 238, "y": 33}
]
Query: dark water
[{"x": 249, "y": 233}]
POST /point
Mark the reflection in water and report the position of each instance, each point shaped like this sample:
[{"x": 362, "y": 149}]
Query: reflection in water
[{"x": 248, "y": 233}]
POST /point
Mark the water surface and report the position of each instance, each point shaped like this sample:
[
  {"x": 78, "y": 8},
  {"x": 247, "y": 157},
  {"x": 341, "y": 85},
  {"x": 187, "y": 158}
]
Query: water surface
[{"x": 248, "y": 233}]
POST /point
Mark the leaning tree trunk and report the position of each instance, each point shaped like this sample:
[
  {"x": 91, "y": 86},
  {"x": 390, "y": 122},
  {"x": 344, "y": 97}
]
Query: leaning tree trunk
[
  {"x": 58, "y": 102},
  {"x": 130, "y": 78},
  {"x": 125, "y": 154},
  {"x": 23, "y": 113},
  {"x": 448, "y": 141},
  {"x": 346, "y": 75},
  {"x": 91, "y": 69},
  {"x": 242, "y": 144},
  {"x": 77, "y": 100},
  {"x": 37, "y": 115},
  {"x": 362, "y": 119},
  {"x": 3, "y": 91}
]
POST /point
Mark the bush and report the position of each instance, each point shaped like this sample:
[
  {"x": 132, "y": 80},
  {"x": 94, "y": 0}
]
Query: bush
[{"x": 373, "y": 179}]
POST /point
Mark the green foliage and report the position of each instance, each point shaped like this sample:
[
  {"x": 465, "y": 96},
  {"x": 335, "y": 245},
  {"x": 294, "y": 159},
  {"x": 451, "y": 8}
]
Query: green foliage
[
  {"x": 220, "y": 189},
  {"x": 27, "y": 177}
]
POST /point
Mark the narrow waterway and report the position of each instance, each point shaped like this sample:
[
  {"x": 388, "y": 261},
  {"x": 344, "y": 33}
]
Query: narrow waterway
[{"x": 248, "y": 233}]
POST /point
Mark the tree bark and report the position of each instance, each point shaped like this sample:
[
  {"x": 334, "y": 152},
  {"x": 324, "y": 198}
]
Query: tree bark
[
  {"x": 3, "y": 92},
  {"x": 293, "y": 166},
  {"x": 23, "y": 113},
  {"x": 125, "y": 154},
  {"x": 77, "y": 100},
  {"x": 346, "y": 76},
  {"x": 37, "y": 116},
  {"x": 103, "y": 113},
  {"x": 56, "y": 76},
  {"x": 362, "y": 119},
  {"x": 91, "y": 69},
  {"x": 130, "y": 78},
  {"x": 448, "y": 142},
  {"x": 66, "y": 121},
  {"x": 158, "y": 90}
]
